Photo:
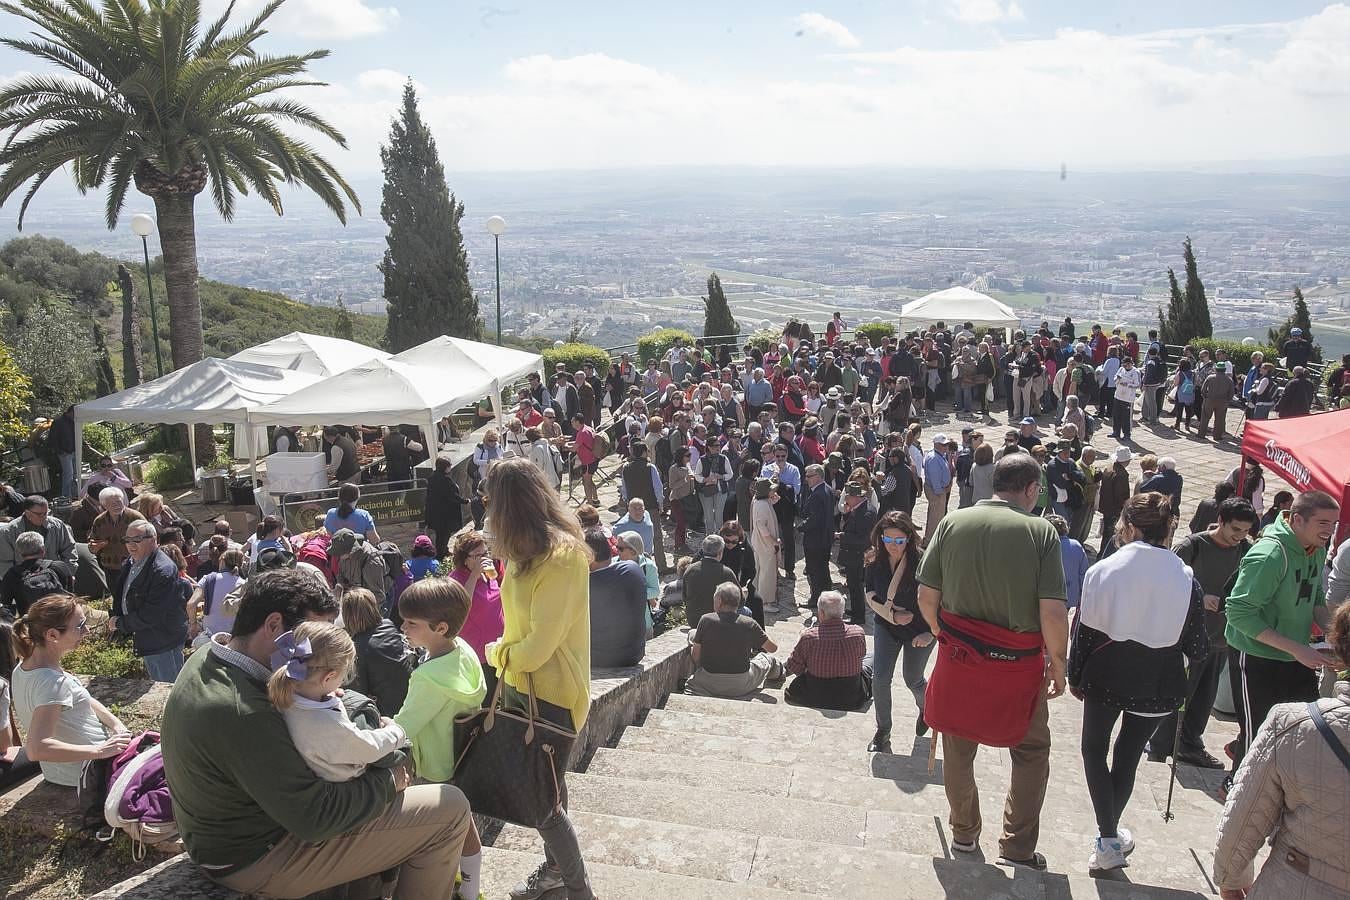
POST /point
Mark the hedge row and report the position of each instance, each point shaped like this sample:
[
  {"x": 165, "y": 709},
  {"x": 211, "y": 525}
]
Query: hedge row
[
  {"x": 654, "y": 345},
  {"x": 574, "y": 356}
]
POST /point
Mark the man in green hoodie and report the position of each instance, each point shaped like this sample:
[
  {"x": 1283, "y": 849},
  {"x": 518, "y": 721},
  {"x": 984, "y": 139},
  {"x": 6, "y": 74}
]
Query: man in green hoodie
[{"x": 1275, "y": 600}]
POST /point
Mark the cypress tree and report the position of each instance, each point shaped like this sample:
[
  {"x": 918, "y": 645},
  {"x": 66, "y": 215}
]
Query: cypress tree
[
  {"x": 425, "y": 267},
  {"x": 1171, "y": 325},
  {"x": 342, "y": 322},
  {"x": 1197, "y": 305},
  {"x": 717, "y": 317}
]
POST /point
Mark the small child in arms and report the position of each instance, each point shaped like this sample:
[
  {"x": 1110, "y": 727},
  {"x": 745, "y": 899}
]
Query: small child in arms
[
  {"x": 319, "y": 656},
  {"x": 449, "y": 682}
]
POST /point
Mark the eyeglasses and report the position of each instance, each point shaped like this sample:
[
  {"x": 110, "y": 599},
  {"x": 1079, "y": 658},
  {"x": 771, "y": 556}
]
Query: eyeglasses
[
  {"x": 81, "y": 626},
  {"x": 896, "y": 541},
  {"x": 106, "y": 465},
  {"x": 731, "y": 542}
]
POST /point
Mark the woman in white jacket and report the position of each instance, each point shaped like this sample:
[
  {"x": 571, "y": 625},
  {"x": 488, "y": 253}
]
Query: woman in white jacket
[
  {"x": 765, "y": 542},
  {"x": 1293, "y": 789},
  {"x": 546, "y": 456}
]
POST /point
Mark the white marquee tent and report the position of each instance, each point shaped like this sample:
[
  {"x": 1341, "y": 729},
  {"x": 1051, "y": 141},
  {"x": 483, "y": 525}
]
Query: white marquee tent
[
  {"x": 211, "y": 391},
  {"x": 457, "y": 359},
  {"x": 954, "y": 306},
  {"x": 381, "y": 392},
  {"x": 311, "y": 353}
]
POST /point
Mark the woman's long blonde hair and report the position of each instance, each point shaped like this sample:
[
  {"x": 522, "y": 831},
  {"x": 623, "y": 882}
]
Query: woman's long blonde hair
[{"x": 529, "y": 521}]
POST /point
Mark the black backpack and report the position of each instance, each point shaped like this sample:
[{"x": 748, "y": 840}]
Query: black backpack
[{"x": 37, "y": 582}]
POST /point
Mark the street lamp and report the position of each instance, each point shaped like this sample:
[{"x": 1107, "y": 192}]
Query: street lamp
[
  {"x": 495, "y": 226},
  {"x": 144, "y": 226}
]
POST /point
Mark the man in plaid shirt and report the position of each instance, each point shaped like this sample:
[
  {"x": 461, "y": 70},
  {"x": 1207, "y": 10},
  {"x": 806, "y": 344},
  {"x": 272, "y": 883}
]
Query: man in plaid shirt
[{"x": 828, "y": 661}]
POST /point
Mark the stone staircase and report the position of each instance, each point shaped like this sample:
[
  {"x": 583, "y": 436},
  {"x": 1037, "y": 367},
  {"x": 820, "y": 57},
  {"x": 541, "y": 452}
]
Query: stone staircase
[{"x": 709, "y": 798}]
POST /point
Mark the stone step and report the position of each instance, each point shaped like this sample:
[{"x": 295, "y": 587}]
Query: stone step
[
  {"x": 830, "y": 764},
  {"x": 895, "y": 783},
  {"x": 725, "y": 810},
  {"x": 503, "y": 869},
  {"x": 748, "y": 862}
]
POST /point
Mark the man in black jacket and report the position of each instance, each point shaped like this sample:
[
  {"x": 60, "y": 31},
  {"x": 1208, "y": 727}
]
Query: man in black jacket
[
  {"x": 817, "y": 510},
  {"x": 149, "y": 603},
  {"x": 855, "y": 537},
  {"x": 1298, "y": 396}
]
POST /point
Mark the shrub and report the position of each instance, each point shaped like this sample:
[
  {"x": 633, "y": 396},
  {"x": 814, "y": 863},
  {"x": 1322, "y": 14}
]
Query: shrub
[
  {"x": 99, "y": 438},
  {"x": 764, "y": 339},
  {"x": 875, "y": 332},
  {"x": 168, "y": 470},
  {"x": 654, "y": 345},
  {"x": 99, "y": 656},
  {"x": 1239, "y": 353},
  {"x": 574, "y": 356}
]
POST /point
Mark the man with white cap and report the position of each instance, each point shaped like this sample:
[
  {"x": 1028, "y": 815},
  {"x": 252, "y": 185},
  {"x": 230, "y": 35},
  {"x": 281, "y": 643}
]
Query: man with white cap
[
  {"x": 1217, "y": 390},
  {"x": 937, "y": 483}
]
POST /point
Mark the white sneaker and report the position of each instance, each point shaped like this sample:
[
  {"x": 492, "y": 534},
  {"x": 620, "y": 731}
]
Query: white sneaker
[
  {"x": 1106, "y": 855},
  {"x": 1126, "y": 838}
]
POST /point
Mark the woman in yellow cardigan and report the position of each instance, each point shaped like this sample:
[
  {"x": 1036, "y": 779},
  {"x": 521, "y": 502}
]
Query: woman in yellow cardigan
[{"x": 546, "y": 603}]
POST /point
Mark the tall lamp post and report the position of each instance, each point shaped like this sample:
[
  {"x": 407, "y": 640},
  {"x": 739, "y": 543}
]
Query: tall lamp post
[
  {"x": 144, "y": 226},
  {"x": 495, "y": 226}
]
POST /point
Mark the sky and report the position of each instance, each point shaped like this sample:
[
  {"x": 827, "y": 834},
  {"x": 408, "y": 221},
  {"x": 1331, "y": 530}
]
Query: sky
[{"x": 987, "y": 84}]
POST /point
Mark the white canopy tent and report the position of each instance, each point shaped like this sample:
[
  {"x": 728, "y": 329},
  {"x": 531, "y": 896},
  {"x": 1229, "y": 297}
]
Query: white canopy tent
[
  {"x": 955, "y": 306},
  {"x": 383, "y": 391},
  {"x": 313, "y": 353},
  {"x": 212, "y": 391},
  {"x": 459, "y": 360}
]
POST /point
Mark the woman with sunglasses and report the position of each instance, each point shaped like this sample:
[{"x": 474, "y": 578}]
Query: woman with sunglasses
[
  {"x": 900, "y": 634},
  {"x": 108, "y": 474},
  {"x": 64, "y": 724}
]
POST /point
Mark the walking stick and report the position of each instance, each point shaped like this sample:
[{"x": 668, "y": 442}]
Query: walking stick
[
  {"x": 932, "y": 752},
  {"x": 1168, "y": 815}
]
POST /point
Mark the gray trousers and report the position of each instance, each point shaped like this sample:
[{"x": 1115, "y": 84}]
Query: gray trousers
[{"x": 763, "y": 667}]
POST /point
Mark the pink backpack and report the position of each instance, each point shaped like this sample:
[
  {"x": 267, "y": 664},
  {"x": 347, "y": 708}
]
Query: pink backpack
[{"x": 315, "y": 552}]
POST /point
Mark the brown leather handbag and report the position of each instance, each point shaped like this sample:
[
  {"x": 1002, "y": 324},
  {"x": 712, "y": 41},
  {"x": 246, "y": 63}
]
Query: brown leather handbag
[{"x": 511, "y": 764}]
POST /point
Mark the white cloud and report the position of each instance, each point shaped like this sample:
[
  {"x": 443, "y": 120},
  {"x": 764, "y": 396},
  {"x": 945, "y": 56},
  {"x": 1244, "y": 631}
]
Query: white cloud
[
  {"x": 984, "y": 12},
  {"x": 828, "y": 29},
  {"x": 315, "y": 19},
  {"x": 1084, "y": 97}
]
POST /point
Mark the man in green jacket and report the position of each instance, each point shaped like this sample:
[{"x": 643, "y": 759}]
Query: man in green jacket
[
  {"x": 250, "y": 811},
  {"x": 1275, "y": 600}
]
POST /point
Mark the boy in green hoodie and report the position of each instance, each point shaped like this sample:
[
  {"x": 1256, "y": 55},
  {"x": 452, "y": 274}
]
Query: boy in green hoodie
[
  {"x": 449, "y": 682},
  {"x": 1276, "y": 599}
]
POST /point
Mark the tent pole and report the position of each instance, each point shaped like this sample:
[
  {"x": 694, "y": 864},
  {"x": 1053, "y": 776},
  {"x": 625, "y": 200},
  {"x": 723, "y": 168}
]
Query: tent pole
[
  {"x": 497, "y": 404},
  {"x": 192, "y": 451}
]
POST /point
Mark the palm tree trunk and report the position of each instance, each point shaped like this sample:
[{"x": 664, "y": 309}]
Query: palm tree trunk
[{"x": 178, "y": 242}]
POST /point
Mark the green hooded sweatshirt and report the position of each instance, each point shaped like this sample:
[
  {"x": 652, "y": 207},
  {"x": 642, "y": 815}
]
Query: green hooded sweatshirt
[
  {"x": 439, "y": 690},
  {"x": 1278, "y": 585}
]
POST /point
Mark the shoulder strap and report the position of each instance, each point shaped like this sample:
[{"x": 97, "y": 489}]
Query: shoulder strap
[{"x": 1330, "y": 736}]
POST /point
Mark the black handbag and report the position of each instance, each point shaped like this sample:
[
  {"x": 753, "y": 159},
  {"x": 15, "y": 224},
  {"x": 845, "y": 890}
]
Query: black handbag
[{"x": 511, "y": 764}]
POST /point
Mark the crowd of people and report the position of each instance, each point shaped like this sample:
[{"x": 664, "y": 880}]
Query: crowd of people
[{"x": 745, "y": 464}]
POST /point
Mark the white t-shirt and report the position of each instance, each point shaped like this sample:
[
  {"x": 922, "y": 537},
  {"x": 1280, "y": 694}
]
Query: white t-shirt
[
  {"x": 76, "y": 723},
  {"x": 4, "y": 705}
]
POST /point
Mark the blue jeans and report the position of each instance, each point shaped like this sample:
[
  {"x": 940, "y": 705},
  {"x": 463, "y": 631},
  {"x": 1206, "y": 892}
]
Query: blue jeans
[
  {"x": 886, "y": 651},
  {"x": 165, "y": 665},
  {"x": 69, "y": 487}
]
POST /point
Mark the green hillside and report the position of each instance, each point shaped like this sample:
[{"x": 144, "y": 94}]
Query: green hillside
[{"x": 53, "y": 296}]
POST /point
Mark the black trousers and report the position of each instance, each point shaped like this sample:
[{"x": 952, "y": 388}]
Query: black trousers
[
  {"x": 1121, "y": 413},
  {"x": 857, "y": 605},
  {"x": 1110, "y": 786},
  {"x": 817, "y": 573},
  {"x": 1260, "y": 683},
  {"x": 1106, "y": 400},
  {"x": 1202, "y": 684},
  {"x": 787, "y": 515}
]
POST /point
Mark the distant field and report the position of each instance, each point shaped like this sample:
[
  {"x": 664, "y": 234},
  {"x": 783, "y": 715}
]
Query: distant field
[
  {"x": 1019, "y": 299},
  {"x": 753, "y": 277}
]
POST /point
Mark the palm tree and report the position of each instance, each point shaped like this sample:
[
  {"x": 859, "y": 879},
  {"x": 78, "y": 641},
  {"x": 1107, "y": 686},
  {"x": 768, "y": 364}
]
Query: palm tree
[{"x": 149, "y": 98}]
